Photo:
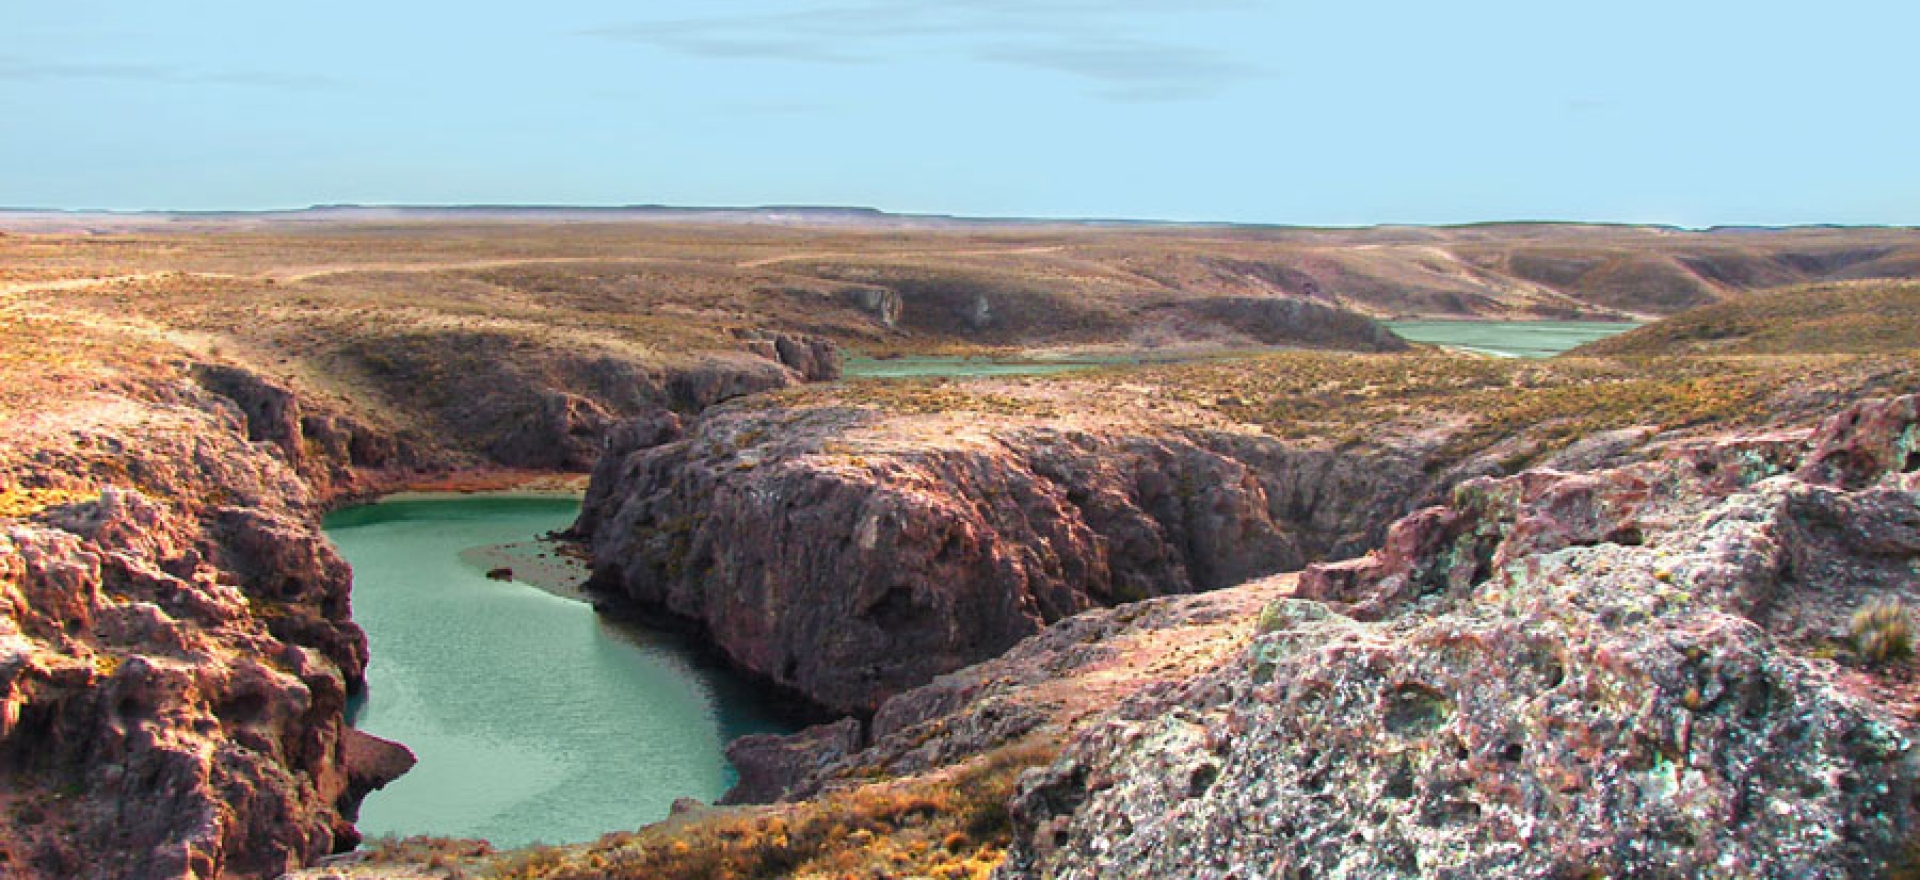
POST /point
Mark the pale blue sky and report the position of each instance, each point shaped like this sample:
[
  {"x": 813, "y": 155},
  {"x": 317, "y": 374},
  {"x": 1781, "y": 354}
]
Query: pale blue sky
[{"x": 1249, "y": 110}]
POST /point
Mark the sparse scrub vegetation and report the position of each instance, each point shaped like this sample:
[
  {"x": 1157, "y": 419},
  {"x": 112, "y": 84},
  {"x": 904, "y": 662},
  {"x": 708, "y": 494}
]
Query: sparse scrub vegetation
[
  {"x": 1883, "y": 632},
  {"x": 1858, "y": 317},
  {"x": 18, "y": 502},
  {"x": 405, "y": 322},
  {"x": 952, "y": 824}
]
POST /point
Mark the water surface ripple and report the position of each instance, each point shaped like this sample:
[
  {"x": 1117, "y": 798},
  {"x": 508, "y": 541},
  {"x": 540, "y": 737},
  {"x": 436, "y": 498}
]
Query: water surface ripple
[{"x": 534, "y": 719}]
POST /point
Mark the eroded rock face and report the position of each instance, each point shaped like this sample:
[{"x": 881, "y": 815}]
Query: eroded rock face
[
  {"x": 176, "y": 640},
  {"x": 850, "y": 571},
  {"x": 176, "y": 658},
  {"x": 1288, "y": 320},
  {"x": 324, "y": 448},
  {"x": 182, "y": 689},
  {"x": 1553, "y": 675},
  {"x": 564, "y": 433},
  {"x": 882, "y": 303}
]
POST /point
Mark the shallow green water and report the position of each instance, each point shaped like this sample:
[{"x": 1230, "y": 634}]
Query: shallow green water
[
  {"x": 533, "y": 718},
  {"x": 1528, "y": 339},
  {"x": 1532, "y": 339}
]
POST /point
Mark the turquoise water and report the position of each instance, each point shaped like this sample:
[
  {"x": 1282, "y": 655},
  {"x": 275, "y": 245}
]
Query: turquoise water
[
  {"x": 1527, "y": 339},
  {"x": 534, "y": 719}
]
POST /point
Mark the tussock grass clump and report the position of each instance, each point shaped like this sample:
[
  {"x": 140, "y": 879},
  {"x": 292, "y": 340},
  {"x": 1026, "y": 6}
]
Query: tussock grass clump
[{"x": 1883, "y": 631}]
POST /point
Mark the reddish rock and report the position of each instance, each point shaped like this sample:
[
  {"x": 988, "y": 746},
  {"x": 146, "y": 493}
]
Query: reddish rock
[
  {"x": 851, "y": 576},
  {"x": 564, "y": 432},
  {"x": 814, "y": 360},
  {"x": 175, "y": 660},
  {"x": 1868, "y": 441},
  {"x": 1626, "y": 672},
  {"x": 771, "y": 765}
]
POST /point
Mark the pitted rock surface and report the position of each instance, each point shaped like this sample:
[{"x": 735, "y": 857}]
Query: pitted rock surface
[{"x": 1614, "y": 673}]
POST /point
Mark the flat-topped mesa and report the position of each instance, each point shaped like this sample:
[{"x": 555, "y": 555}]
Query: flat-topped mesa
[
  {"x": 1644, "y": 670},
  {"x": 849, "y": 558}
]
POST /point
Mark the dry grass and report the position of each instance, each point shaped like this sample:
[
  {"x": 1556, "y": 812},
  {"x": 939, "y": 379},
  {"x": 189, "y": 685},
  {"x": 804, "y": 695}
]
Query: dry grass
[
  {"x": 1883, "y": 632},
  {"x": 1850, "y": 318},
  {"x": 17, "y": 502},
  {"x": 949, "y": 825}
]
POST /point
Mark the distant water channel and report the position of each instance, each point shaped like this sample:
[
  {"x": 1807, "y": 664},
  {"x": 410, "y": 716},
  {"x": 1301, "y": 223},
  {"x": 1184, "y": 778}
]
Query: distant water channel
[
  {"x": 534, "y": 719},
  {"x": 1518, "y": 339}
]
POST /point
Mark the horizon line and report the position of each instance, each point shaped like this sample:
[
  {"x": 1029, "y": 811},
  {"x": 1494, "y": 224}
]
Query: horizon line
[{"x": 882, "y": 213}]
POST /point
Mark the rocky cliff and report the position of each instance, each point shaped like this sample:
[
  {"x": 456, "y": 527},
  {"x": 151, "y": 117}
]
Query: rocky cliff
[
  {"x": 176, "y": 638},
  {"x": 176, "y": 643},
  {"x": 538, "y": 406},
  {"x": 1636, "y": 671},
  {"x": 848, "y": 556}
]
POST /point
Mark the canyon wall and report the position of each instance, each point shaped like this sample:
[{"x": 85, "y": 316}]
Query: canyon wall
[
  {"x": 177, "y": 648},
  {"x": 847, "y": 558}
]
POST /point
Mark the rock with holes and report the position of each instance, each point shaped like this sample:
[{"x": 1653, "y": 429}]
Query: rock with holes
[
  {"x": 175, "y": 664},
  {"x": 1634, "y": 672}
]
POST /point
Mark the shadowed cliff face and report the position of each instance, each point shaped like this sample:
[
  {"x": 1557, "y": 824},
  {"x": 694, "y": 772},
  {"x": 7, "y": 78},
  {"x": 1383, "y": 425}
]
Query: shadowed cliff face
[
  {"x": 847, "y": 563},
  {"x": 539, "y": 406}
]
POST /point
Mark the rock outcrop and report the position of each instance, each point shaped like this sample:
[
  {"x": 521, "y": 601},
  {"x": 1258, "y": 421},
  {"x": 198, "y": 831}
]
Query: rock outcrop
[
  {"x": 771, "y": 765},
  {"x": 1067, "y": 676},
  {"x": 1609, "y": 673},
  {"x": 523, "y": 404},
  {"x": 176, "y": 638},
  {"x": 176, "y": 647},
  {"x": 814, "y": 360},
  {"x": 1288, "y": 320},
  {"x": 832, "y": 558},
  {"x": 325, "y": 448}
]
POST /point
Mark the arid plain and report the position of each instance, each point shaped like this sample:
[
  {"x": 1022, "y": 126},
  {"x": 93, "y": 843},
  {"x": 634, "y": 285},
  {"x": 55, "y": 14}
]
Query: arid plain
[{"x": 1304, "y": 597}]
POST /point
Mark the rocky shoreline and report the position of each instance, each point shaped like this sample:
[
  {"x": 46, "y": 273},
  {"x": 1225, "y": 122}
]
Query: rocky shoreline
[
  {"x": 177, "y": 650},
  {"x": 1628, "y": 669},
  {"x": 848, "y": 566}
]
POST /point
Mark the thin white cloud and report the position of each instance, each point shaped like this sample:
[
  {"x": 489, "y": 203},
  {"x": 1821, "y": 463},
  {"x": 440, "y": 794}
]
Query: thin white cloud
[
  {"x": 1097, "y": 40},
  {"x": 17, "y": 69}
]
